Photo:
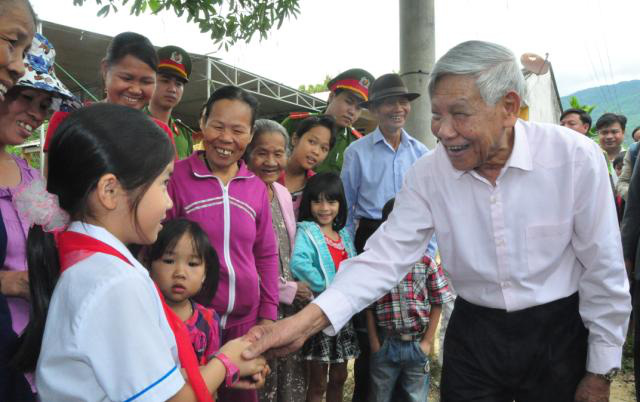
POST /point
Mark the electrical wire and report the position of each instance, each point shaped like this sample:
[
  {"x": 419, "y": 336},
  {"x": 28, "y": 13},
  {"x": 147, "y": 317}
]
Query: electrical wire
[
  {"x": 606, "y": 48},
  {"x": 599, "y": 87}
]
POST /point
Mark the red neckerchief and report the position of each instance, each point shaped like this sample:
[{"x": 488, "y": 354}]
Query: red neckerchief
[{"x": 74, "y": 247}]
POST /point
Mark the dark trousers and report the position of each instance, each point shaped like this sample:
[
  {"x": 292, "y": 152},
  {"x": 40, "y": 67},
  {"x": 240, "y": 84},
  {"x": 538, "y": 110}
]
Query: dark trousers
[
  {"x": 361, "y": 378},
  {"x": 13, "y": 384},
  {"x": 366, "y": 227},
  {"x": 532, "y": 355},
  {"x": 636, "y": 336}
]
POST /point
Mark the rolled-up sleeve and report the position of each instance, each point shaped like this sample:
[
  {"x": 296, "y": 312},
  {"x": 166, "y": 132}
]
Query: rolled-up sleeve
[
  {"x": 389, "y": 255},
  {"x": 605, "y": 302}
]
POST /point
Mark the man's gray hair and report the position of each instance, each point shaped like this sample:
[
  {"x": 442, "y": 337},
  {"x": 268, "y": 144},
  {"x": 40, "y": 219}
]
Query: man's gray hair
[
  {"x": 495, "y": 68},
  {"x": 262, "y": 126}
]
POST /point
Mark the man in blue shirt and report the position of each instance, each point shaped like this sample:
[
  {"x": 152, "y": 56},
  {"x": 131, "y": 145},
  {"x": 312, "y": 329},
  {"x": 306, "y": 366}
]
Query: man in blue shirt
[
  {"x": 374, "y": 166},
  {"x": 373, "y": 170}
]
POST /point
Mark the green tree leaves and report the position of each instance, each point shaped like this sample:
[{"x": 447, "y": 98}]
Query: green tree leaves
[
  {"x": 587, "y": 108},
  {"x": 227, "y": 21},
  {"x": 315, "y": 88}
]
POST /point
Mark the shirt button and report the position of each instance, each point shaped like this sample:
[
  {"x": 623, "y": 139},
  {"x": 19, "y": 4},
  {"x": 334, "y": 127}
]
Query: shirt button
[
  {"x": 505, "y": 284},
  {"x": 493, "y": 199}
]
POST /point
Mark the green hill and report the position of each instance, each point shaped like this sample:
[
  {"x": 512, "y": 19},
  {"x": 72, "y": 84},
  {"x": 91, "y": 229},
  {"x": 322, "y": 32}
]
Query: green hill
[{"x": 621, "y": 98}]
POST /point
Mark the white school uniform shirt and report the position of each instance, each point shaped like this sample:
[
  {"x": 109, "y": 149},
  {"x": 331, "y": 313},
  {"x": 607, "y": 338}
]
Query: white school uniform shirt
[
  {"x": 546, "y": 230},
  {"x": 106, "y": 337}
]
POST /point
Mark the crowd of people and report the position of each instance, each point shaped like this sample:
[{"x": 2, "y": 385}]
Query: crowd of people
[{"x": 251, "y": 260}]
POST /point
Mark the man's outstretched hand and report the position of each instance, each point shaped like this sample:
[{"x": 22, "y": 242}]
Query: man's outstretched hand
[{"x": 285, "y": 336}]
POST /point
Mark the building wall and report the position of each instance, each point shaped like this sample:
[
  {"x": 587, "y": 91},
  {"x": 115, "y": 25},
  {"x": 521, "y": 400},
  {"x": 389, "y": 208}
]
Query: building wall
[{"x": 542, "y": 100}]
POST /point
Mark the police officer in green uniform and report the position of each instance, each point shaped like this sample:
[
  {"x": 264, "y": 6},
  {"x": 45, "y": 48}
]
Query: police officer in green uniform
[
  {"x": 348, "y": 90},
  {"x": 174, "y": 69}
]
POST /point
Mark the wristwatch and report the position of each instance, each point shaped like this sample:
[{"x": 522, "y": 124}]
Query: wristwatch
[
  {"x": 609, "y": 375},
  {"x": 233, "y": 374}
]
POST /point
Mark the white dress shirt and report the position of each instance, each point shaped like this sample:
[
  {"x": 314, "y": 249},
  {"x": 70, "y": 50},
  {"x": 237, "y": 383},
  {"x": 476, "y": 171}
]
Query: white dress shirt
[
  {"x": 106, "y": 336},
  {"x": 547, "y": 229}
]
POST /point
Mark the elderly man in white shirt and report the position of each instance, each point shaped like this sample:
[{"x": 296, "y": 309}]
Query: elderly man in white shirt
[{"x": 523, "y": 217}]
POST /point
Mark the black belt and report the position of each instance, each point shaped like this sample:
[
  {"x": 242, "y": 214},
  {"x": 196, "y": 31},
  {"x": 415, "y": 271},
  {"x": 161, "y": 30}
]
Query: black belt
[{"x": 569, "y": 302}]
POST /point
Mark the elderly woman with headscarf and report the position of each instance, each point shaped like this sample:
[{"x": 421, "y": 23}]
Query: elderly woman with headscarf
[{"x": 266, "y": 156}]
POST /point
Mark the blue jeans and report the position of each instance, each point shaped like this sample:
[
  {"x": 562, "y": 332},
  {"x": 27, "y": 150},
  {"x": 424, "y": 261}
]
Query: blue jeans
[{"x": 401, "y": 365}]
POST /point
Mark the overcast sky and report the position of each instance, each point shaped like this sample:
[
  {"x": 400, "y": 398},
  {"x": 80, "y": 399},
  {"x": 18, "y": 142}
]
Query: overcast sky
[{"x": 589, "y": 42}]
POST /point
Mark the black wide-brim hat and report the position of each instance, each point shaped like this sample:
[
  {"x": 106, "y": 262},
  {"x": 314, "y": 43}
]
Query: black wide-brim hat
[{"x": 387, "y": 86}]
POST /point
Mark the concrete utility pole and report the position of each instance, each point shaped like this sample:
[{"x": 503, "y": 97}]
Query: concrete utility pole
[{"x": 417, "y": 55}]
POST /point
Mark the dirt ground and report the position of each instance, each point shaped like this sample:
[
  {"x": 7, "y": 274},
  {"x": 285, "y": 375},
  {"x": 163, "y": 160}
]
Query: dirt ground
[{"x": 622, "y": 389}]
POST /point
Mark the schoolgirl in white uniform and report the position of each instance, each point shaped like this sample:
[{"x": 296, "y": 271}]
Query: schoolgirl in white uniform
[{"x": 100, "y": 329}]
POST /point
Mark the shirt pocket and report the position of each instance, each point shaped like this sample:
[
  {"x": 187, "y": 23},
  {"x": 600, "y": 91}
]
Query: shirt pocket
[{"x": 546, "y": 246}]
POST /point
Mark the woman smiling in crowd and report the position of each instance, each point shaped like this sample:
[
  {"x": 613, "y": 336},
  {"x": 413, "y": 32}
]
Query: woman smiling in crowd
[
  {"x": 214, "y": 188},
  {"x": 129, "y": 75}
]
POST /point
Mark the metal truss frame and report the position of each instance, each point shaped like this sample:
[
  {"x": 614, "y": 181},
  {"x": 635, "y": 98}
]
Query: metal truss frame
[{"x": 258, "y": 85}]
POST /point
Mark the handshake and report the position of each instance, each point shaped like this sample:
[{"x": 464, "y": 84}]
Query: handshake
[{"x": 266, "y": 340}]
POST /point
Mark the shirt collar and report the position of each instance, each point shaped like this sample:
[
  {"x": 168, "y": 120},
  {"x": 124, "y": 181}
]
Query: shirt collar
[
  {"x": 200, "y": 169},
  {"x": 405, "y": 138},
  {"x": 377, "y": 135},
  {"x": 102, "y": 234},
  {"x": 520, "y": 154}
]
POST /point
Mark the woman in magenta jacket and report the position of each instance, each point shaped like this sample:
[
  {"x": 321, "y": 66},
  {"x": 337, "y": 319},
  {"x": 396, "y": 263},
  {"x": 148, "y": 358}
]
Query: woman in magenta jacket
[{"x": 214, "y": 188}]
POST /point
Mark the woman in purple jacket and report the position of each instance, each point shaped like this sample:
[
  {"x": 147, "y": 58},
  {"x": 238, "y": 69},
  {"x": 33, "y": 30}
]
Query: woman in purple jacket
[{"x": 214, "y": 188}]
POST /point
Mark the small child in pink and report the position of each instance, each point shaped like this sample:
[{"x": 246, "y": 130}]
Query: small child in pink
[{"x": 185, "y": 267}]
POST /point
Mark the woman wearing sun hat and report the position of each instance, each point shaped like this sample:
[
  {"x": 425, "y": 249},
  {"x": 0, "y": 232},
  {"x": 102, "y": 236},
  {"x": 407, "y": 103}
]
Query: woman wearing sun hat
[{"x": 25, "y": 107}]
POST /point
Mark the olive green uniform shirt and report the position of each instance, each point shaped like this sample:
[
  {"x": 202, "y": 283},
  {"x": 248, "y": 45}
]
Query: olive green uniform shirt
[{"x": 181, "y": 136}]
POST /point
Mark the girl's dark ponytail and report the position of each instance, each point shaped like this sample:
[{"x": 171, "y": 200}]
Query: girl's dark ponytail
[{"x": 44, "y": 270}]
